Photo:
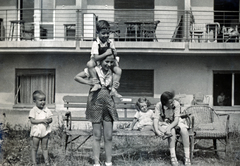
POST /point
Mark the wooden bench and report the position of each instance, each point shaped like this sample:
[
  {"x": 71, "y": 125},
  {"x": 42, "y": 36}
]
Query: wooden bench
[
  {"x": 123, "y": 105},
  {"x": 200, "y": 116}
]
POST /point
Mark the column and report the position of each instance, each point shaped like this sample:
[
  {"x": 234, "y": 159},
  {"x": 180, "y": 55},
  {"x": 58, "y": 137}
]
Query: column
[{"x": 186, "y": 19}]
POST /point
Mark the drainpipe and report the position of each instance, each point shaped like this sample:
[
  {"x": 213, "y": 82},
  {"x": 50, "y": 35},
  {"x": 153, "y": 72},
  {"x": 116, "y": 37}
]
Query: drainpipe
[{"x": 186, "y": 20}]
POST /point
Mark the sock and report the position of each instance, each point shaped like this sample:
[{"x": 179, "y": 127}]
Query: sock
[
  {"x": 186, "y": 152},
  {"x": 172, "y": 152},
  {"x": 108, "y": 164}
]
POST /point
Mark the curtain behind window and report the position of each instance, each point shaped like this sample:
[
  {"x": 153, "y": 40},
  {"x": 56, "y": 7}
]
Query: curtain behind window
[{"x": 28, "y": 82}]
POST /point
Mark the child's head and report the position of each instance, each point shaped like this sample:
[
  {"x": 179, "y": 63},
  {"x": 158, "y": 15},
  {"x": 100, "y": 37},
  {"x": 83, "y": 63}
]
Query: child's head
[
  {"x": 39, "y": 98},
  {"x": 167, "y": 99},
  {"x": 142, "y": 104},
  {"x": 103, "y": 30}
]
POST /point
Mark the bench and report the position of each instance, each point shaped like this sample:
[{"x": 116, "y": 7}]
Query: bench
[
  {"x": 199, "y": 116},
  {"x": 80, "y": 102}
]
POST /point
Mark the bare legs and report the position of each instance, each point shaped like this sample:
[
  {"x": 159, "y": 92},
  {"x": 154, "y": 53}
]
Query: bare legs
[
  {"x": 97, "y": 134},
  {"x": 35, "y": 144},
  {"x": 171, "y": 143}
]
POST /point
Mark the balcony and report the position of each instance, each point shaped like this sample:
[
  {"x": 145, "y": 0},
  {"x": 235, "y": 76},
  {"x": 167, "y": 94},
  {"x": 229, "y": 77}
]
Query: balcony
[{"x": 165, "y": 31}]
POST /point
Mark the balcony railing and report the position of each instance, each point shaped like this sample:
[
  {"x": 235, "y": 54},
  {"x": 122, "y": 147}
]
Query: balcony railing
[{"x": 126, "y": 25}]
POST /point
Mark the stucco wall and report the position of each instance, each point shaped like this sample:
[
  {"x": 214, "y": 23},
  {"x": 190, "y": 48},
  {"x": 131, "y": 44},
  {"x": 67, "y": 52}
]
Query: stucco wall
[{"x": 184, "y": 74}]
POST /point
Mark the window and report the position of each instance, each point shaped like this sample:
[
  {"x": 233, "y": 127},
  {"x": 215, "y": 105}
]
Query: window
[
  {"x": 226, "y": 83},
  {"x": 47, "y": 19},
  {"x": 29, "y": 80},
  {"x": 137, "y": 83},
  {"x": 133, "y": 4},
  {"x": 132, "y": 10},
  {"x": 226, "y": 12},
  {"x": 66, "y": 3}
]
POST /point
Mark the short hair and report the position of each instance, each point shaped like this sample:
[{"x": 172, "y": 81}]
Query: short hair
[
  {"x": 141, "y": 100},
  {"x": 37, "y": 92},
  {"x": 166, "y": 96},
  {"x": 102, "y": 24}
]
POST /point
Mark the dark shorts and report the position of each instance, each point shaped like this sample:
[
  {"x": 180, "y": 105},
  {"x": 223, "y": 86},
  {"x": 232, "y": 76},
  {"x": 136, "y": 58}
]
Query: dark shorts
[{"x": 101, "y": 106}]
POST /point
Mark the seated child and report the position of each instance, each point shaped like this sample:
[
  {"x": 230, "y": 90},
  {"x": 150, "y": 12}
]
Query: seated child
[
  {"x": 101, "y": 48},
  {"x": 167, "y": 112},
  {"x": 144, "y": 116}
]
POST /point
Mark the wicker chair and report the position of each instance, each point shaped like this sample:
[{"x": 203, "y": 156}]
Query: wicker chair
[
  {"x": 149, "y": 31},
  {"x": 207, "y": 124}
]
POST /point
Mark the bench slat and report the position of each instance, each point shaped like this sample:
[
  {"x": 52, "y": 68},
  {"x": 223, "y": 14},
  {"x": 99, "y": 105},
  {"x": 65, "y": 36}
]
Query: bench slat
[
  {"x": 76, "y": 105},
  {"x": 75, "y": 99},
  {"x": 84, "y": 118},
  {"x": 118, "y": 132}
]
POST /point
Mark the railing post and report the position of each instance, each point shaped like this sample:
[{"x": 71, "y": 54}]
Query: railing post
[
  {"x": 78, "y": 28},
  {"x": 186, "y": 26}
]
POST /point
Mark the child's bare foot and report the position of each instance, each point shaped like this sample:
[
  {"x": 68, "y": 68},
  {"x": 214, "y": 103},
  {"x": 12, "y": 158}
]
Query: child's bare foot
[
  {"x": 96, "y": 87},
  {"x": 115, "y": 93}
]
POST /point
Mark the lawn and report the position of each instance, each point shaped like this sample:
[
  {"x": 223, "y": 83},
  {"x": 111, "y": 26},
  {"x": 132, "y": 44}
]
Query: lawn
[{"x": 127, "y": 151}]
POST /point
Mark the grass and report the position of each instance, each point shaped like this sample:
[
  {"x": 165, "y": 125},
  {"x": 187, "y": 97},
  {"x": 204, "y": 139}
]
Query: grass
[{"x": 127, "y": 151}]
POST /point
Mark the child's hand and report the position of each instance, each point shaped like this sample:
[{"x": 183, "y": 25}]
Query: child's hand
[
  {"x": 109, "y": 52},
  {"x": 114, "y": 52},
  {"x": 92, "y": 82},
  {"x": 49, "y": 120},
  {"x": 45, "y": 121},
  {"x": 160, "y": 134}
]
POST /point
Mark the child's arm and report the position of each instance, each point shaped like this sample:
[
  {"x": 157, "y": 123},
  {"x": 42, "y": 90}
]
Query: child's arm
[
  {"x": 102, "y": 56},
  {"x": 38, "y": 121},
  {"x": 172, "y": 125},
  {"x": 82, "y": 78},
  {"x": 155, "y": 126},
  {"x": 133, "y": 123}
]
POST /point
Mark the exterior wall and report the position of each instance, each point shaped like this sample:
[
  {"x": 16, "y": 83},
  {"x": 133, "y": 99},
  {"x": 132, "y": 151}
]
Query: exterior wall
[
  {"x": 11, "y": 13},
  {"x": 184, "y": 74}
]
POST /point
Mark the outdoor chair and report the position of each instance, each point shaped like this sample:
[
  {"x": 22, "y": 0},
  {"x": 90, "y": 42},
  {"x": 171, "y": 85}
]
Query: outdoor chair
[
  {"x": 206, "y": 124},
  {"x": 28, "y": 32},
  {"x": 114, "y": 29},
  {"x": 200, "y": 99},
  {"x": 198, "y": 32},
  {"x": 230, "y": 33},
  {"x": 149, "y": 31}
]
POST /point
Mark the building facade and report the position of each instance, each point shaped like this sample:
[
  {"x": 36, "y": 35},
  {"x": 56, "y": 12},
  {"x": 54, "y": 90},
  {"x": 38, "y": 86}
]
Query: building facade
[{"x": 185, "y": 46}]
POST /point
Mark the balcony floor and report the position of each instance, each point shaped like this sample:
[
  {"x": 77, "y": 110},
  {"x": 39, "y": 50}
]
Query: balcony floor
[{"x": 122, "y": 47}]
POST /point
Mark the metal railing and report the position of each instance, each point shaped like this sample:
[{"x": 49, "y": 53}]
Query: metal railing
[{"x": 126, "y": 25}]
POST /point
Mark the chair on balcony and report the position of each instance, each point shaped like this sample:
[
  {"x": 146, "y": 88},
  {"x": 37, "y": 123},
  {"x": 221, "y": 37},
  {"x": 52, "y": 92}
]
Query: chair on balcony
[
  {"x": 13, "y": 27},
  {"x": 69, "y": 31},
  {"x": 198, "y": 32},
  {"x": 149, "y": 31},
  {"x": 230, "y": 33},
  {"x": 114, "y": 29},
  {"x": 28, "y": 31}
]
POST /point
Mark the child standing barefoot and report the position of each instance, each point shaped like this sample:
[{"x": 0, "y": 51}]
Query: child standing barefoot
[{"x": 40, "y": 117}]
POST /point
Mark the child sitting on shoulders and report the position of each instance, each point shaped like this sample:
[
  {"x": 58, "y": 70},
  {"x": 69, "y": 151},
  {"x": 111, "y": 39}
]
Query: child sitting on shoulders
[
  {"x": 101, "y": 48},
  {"x": 143, "y": 116}
]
